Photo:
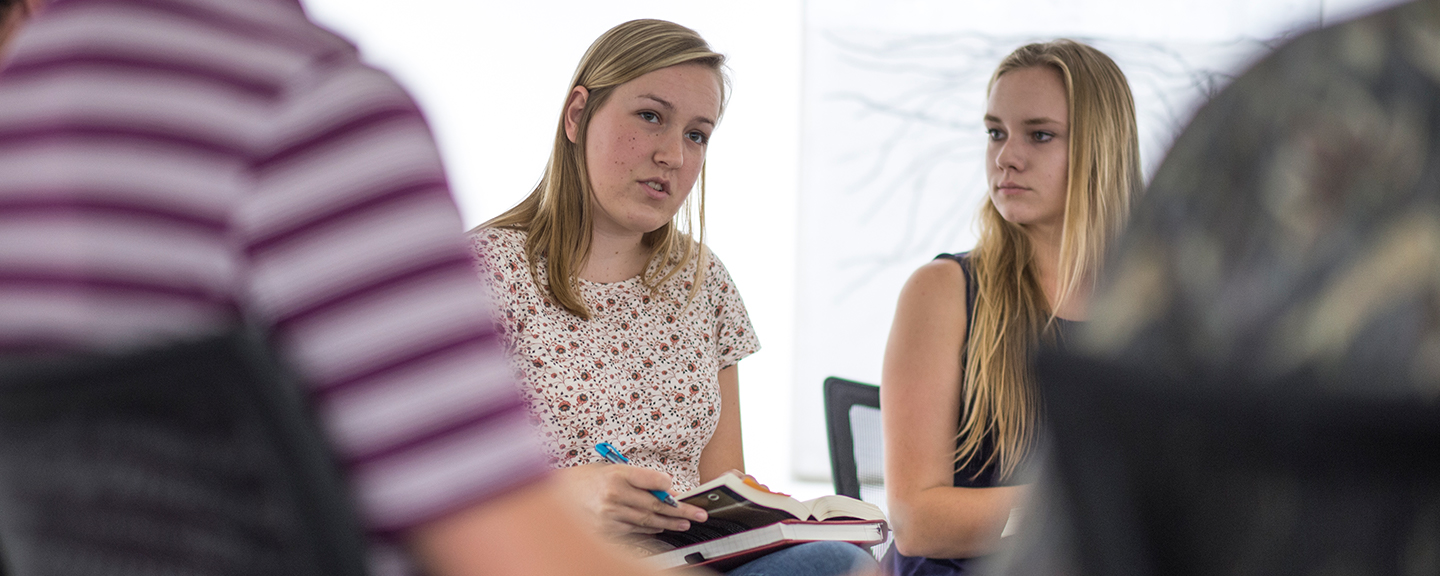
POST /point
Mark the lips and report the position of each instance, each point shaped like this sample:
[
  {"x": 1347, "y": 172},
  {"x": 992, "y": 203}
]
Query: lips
[
  {"x": 1008, "y": 187},
  {"x": 656, "y": 188}
]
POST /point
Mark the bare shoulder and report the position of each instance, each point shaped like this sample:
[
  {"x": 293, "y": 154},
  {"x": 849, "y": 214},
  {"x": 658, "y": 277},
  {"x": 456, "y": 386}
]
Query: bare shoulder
[
  {"x": 920, "y": 378},
  {"x": 930, "y": 319},
  {"x": 939, "y": 283}
]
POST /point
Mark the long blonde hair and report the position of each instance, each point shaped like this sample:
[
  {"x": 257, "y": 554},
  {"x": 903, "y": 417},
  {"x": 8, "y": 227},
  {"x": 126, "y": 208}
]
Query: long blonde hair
[
  {"x": 1012, "y": 316},
  {"x": 557, "y": 214}
]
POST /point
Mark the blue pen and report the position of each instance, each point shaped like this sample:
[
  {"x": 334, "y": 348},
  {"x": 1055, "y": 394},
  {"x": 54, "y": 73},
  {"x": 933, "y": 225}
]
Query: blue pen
[{"x": 614, "y": 456}]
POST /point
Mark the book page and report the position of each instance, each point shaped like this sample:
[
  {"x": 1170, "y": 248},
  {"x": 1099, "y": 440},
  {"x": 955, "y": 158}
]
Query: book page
[{"x": 836, "y": 507}]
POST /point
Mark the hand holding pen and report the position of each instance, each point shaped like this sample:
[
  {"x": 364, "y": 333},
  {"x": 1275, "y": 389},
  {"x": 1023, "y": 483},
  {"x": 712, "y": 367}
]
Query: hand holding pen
[
  {"x": 616, "y": 499},
  {"x": 615, "y": 457}
]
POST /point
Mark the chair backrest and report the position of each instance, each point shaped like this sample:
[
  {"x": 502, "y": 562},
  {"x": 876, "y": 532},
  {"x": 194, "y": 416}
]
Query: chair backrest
[
  {"x": 1223, "y": 475},
  {"x": 857, "y": 458}
]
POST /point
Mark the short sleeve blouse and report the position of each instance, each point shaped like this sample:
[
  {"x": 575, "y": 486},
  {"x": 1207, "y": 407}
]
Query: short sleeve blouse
[{"x": 642, "y": 373}]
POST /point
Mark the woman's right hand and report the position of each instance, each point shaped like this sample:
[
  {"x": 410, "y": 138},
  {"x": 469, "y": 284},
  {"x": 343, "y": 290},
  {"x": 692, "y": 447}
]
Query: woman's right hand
[{"x": 616, "y": 499}]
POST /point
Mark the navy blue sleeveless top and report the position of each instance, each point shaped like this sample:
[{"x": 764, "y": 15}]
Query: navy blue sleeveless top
[{"x": 975, "y": 474}]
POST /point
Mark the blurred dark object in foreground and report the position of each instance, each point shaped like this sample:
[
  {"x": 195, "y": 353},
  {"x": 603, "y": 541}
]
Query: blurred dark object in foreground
[
  {"x": 197, "y": 458},
  {"x": 1258, "y": 389},
  {"x": 1171, "y": 478},
  {"x": 1293, "y": 232}
]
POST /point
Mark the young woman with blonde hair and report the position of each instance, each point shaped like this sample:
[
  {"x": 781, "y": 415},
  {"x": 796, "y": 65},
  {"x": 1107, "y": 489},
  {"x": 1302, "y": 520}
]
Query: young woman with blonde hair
[
  {"x": 959, "y": 407},
  {"x": 626, "y": 327}
]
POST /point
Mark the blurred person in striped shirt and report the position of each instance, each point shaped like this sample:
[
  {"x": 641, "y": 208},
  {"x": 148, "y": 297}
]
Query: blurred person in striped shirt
[{"x": 171, "y": 167}]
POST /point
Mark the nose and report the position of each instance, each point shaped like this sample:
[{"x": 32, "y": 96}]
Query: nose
[
  {"x": 670, "y": 151},
  {"x": 1010, "y": 157}
]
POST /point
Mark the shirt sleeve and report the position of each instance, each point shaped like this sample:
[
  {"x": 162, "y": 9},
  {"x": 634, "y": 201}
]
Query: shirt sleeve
[
  {"x": 734, "y": 335},
  {"x": 357, "y": 258}
]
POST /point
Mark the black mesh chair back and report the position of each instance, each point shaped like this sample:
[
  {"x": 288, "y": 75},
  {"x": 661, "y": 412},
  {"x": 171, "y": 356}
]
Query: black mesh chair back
[
  {"x": 194, "y": 459},
  {"x": 857, "y": 458},
  {"x": 1220, "y": 476}
]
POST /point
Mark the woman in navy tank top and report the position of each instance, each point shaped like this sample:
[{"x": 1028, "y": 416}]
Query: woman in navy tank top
[{"x": 960, "y": 410}]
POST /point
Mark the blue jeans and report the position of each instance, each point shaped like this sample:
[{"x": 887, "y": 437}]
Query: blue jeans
[{"x": 809, "y": 559}]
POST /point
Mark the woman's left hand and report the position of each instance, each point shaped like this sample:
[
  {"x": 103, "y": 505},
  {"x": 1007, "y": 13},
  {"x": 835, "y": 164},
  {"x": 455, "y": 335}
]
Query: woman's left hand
[{"x": 753, "y": 482}]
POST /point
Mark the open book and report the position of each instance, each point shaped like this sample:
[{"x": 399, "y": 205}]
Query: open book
[{"x": 747, "y": 521}]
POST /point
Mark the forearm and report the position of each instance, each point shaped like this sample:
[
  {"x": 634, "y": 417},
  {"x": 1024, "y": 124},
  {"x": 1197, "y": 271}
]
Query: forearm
[
  {"x": 712, "y": 468},
  {"x": 951, "y": 522},
  {"x": 724, "y": 452}
]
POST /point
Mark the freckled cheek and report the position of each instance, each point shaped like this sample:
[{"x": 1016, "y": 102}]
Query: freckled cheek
[{"x": 625, "y": 148}]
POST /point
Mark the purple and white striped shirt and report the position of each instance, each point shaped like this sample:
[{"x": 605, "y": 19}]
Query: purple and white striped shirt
[{"x": 169, "y": 165}]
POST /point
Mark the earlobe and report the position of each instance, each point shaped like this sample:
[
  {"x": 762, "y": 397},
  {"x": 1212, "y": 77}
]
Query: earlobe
[{"x": 574, "y": 110}]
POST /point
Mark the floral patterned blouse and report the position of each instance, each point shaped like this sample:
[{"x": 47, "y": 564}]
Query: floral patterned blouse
[{"x": 641, "y": 374}]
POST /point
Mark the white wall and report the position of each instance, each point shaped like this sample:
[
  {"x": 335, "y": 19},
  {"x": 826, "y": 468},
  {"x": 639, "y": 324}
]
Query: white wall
[{"x": 492, "y": 76}]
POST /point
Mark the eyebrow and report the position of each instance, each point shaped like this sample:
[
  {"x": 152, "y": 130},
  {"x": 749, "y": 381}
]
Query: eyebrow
[
  {"x": 668, "y": 106},
  {"x": 1030, "y": 122}
]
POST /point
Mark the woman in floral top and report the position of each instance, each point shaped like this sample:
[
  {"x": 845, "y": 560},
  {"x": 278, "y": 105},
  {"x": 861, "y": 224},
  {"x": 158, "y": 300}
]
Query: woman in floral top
[
  {"x": 626, "y": 328},
  {"x": 646, "y": 372}
]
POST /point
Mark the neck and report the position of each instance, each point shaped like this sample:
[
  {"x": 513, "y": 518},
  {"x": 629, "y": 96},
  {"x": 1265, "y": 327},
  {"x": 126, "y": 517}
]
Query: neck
[
  {"x": 614, "y": 256},
  {"x": 1045, "y": 261}
]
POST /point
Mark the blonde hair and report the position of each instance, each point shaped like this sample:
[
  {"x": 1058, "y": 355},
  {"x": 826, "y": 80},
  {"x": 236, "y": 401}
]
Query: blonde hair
[
  {"x": 1012, "y": 316},
  {"x": 557, "y": 215}
]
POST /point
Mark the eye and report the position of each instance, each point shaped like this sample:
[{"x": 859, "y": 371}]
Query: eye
[
  {"x": 698, "y": 137},
  {"x": 1043, "y": 136},
  {"x": 649, "y": 116},
  {"x": 995, "y": 134}
]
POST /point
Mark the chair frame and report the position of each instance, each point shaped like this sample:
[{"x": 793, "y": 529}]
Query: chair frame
[{"x": 840, "y": 395}]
